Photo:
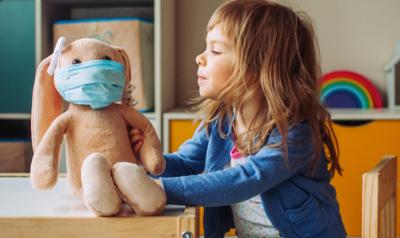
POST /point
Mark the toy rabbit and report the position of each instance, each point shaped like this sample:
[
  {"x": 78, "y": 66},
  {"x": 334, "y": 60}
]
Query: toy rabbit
[{"x": 101, "y": 167}]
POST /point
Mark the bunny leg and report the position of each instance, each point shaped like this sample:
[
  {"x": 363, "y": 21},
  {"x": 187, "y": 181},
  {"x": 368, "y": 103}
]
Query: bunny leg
[
  {"x": 144, "y": 195},
  {"x": 99, "y": 192}
]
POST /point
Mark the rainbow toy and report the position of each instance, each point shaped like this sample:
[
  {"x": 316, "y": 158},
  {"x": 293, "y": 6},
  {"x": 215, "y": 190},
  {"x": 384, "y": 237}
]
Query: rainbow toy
[{"x": 346, "y": 89}]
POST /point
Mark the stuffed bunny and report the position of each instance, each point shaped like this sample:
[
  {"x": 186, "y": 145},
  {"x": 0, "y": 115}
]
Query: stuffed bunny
[{"x": 101, "y": 167}]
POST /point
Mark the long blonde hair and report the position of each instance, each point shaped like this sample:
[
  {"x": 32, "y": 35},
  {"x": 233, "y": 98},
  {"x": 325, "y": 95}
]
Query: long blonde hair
[{"x": 277, "y": 60}]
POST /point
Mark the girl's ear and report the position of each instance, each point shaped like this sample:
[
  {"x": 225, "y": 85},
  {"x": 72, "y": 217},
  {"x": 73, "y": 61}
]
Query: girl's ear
[
  {"x": 47, "y": 104},
  {"x": 127, "y": 97}
]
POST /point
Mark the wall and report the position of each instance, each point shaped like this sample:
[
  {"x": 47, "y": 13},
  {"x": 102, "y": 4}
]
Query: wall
[
  {"x": 357, "y": 35},
  {"x": 190, "y": 42}
]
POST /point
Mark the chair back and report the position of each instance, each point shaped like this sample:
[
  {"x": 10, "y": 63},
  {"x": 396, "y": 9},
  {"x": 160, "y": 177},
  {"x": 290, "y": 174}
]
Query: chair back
[{"x": 379, "y": 199}]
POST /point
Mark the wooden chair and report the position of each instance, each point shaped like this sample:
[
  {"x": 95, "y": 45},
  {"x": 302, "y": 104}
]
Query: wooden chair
[{"x": 379, "y": 200}]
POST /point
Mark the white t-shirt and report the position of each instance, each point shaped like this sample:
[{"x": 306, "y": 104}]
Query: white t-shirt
[{"x": 249, "y": 216}]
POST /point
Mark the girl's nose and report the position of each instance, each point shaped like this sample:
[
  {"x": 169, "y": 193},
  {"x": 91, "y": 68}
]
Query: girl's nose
[{"x": 200, "y": 61}]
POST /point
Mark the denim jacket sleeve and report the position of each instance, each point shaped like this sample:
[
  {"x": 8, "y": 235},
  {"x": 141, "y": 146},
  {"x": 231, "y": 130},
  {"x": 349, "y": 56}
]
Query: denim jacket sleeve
[
  {"x": 264, "y": 170},
  {"x": 190, "y": 157}
]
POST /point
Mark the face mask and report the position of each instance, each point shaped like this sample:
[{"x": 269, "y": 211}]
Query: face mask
[{"x": 96, "y": 83}]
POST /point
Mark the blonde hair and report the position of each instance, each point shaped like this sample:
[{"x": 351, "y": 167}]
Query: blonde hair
[{"x": 277, "y": 61}]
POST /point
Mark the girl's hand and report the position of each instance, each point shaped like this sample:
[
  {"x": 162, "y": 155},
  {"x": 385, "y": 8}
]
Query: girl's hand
[
  {"x": 159, "y": 183},
  {"x": 136, "y": 140}
]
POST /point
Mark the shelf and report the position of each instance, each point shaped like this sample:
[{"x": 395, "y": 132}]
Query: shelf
[
  {"x": 337, "y": 114},
  {"x": 365, "y": 114},
  {"x": 19, "y": 116},
  {"x": 49, "y": 11},
  {"x": 15, "y": 116},
  {"x": 180, "y": 113},
  {"x": 103, "y": 2}
]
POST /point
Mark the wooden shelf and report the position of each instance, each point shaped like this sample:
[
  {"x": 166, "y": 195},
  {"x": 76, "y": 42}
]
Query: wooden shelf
[
  {"x": 14, "y": 116},
  {"x": 182, "y": 113},
  {"x": 365, "y": 114}
]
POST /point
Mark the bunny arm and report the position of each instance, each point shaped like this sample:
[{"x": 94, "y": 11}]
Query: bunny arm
[
  {"x": 47, "y": 104},
  {"x": 45, "y": 161},
  {"x": 150, "y": 154}
]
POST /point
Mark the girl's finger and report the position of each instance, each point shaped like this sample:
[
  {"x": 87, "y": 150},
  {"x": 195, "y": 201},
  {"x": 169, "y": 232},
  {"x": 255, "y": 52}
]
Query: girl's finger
[
  {"x": 134, "y": 131},
  {"x": 137, "y": 147},
  {"x": 135, "y": 138}
]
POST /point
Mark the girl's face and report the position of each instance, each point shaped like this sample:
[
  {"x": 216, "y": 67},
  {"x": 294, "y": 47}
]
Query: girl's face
[{"x": 215, "y": 63}]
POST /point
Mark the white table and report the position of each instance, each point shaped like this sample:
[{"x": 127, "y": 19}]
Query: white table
[{"x": 26, "y": 212}]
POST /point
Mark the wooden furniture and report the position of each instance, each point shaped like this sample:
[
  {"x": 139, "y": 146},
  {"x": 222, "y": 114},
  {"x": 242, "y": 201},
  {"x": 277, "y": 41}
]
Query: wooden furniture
[
  {"x": 25, "y": 213},
  {"x": 361, "y": 148},
  {"x": 363, "y": 135},
  {"x": 15, "y": 157},
  {"x": 379, "y": 200}
]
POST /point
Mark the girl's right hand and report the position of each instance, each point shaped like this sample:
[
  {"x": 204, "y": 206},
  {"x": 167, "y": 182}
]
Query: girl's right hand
[{"x": 136, "y": 140}]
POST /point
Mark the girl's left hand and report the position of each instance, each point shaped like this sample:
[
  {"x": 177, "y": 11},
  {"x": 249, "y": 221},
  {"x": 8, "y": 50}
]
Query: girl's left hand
[{"x": 136, "y": 140}]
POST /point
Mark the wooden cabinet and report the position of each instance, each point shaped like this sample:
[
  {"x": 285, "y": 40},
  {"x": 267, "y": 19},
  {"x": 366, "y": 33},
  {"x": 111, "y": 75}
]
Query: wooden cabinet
[
  {"x": 361, "y": 148},
  {"x": 364, "y": 137}
]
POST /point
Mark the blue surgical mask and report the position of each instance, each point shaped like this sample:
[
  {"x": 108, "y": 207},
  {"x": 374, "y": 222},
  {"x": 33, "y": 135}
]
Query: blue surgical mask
[{"x": 96, "y": 83}]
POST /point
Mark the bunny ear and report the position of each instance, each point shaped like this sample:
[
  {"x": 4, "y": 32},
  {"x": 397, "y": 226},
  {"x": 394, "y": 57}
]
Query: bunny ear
[
  {"x": 127, "y": 66},
  {"x": 127, "y": 97},
  {"x": 47, "y": 104}
]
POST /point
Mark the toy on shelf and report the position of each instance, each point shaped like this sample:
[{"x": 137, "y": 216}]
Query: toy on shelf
[
  {"x": 392, "y": 75},
  {"x": 346, "y": 89}
]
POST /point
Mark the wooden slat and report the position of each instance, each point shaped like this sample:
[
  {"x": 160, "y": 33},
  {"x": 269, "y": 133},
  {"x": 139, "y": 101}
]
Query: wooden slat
[
  {"x": 379, "y": 200},
  {"x": 370, "y": 206},
  {"x": 114, "y": 227},
  {"x": 387, "y": 170},
  {"x": 188, "y": 223}
]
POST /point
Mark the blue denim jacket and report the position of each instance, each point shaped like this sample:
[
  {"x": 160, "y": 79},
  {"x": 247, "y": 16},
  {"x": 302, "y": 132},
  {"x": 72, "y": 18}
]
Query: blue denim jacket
[{"x": 298, "y": 204}]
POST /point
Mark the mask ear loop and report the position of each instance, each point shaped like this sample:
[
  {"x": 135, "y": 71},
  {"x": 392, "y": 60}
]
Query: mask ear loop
[{"x": 57, "y": 52}]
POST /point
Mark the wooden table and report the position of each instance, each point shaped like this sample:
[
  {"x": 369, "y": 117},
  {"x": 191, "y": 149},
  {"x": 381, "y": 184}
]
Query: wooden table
[{"x": 25, "y": 212}]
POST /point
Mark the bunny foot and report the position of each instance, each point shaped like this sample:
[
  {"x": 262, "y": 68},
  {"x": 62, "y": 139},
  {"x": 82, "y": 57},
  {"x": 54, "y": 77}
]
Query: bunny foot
[
  {"x": 144, "y": 195},
  {"x": 99, "y": 192}
]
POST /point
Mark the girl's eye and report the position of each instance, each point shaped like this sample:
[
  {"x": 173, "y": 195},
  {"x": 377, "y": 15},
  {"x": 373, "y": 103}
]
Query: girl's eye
[
  {"x": 76, "y": 61},
  {"x": 106, "y": 57},
  {"x": 215, "y": 52}
]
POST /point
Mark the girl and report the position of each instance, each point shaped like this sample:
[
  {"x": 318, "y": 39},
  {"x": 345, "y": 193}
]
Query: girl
[{"x": 258, "y": 159}]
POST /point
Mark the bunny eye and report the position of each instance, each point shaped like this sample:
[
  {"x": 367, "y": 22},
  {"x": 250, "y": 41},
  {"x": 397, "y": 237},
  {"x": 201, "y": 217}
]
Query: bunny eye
[
  {"x": 106, "y": 57},
  {"x": 76, "y": 61}
]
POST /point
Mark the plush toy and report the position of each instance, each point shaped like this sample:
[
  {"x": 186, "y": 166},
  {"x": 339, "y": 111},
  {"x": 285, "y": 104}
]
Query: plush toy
[{"x": 101, "y": 167}]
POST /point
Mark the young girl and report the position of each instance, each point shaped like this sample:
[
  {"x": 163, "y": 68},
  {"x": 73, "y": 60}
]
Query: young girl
[{"x": 258, "y": 159}]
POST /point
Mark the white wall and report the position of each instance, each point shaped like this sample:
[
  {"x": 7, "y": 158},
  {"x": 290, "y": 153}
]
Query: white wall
[
  {"x": 358, "y": 35},
  {"x": 191, "y": 22}
]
